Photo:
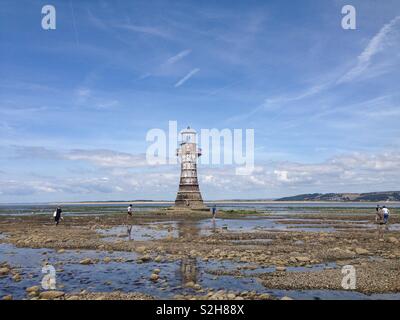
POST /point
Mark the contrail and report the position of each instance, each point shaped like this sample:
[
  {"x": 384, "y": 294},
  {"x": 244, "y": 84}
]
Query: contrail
[
  {"x": 187, "y": 77},
  {"x": 74, "y": 23}
]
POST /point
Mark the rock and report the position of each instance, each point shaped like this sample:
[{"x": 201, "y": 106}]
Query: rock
[
  {"x": 33, "y": 294},
  {"x": 73, "y": 298},
  {"x": 33, "y": 289},
  {"x": 193, "y": 253},
  {"x": 280, "y": 269},
  {"x": 286, "y": 298},
  {"x": 141, "y": 249},
  {"x": 303, "y": 259},
  {"x": 158, "y": 259},
  {"x": 197, "y": 286},
  {"x": 231, "y": 296},
  {"x": 86, "y": 261},
  {"x": 265, "y": 296},
  {"x": 145, "y": 258},
  {"x": 17, "y": 277},
  {"x": 393, "y": 240},
  {"x": 361, "y": 251},
  {"x": 154, "y": 277},
  {"x": 49, "y": 295},
  {"x": 61, "y": 251},
  {"x": 156, "y": 271},
  {"x": 4, "y": 271},
  {"x": 8, "y": 297},
  {"x": 189, "y": 284},
  {"x": 107, "y": 259}
]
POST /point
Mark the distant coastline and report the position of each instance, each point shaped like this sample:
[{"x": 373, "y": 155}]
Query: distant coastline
[{"x": 314, "y": 198}]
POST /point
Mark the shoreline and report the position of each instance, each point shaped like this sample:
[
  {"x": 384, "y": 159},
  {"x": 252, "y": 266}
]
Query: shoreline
[{"x": 171, "y": 203}]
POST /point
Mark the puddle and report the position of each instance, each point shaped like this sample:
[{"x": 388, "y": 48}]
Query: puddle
[
  {"x": 246, "y": 269},
  {"x": 154, "y": 231},
  {"x": 208, "y": 227}
]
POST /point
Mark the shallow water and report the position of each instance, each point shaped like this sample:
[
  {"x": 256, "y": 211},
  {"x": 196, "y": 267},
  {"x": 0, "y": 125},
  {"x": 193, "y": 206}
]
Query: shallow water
[
  {"x": 130, "y": 276},
  {"x": 145, "y": 232},
  {"x": 207, "y": 227}
]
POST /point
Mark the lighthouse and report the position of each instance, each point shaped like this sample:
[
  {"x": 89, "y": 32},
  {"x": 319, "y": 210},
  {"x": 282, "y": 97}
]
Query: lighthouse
[{"x": 189, "y": 195}]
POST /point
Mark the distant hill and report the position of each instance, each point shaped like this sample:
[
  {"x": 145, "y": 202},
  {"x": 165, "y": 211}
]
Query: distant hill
[{"x": 371, "y": 196}]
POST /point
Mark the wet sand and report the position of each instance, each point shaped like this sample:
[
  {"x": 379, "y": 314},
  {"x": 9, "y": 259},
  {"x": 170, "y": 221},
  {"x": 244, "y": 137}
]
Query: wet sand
[{"x": 173, "y": 255}]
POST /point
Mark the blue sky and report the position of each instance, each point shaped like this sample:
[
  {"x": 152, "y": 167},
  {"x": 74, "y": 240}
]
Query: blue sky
[{"x": 76, "y": 102}]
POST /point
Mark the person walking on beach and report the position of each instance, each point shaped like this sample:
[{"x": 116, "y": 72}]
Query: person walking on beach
[
  {"x": 57, "y": 215},
  {"x": 386, "y": 214},
  {"x": 130, "y": 210},
  {"x": 214, "y": 211}
]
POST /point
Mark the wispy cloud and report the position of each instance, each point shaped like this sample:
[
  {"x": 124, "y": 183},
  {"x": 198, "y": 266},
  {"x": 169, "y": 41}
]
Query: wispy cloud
[
  {"x": 187, "y": 77},
  {"x": 153, "y": 31},
  {"x": 377, "y": 44},
  {"x": 178, "y": 57}
]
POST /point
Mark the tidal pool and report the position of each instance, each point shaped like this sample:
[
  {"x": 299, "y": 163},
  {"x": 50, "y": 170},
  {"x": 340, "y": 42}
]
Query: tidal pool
[{"x": 129, "y": 276}]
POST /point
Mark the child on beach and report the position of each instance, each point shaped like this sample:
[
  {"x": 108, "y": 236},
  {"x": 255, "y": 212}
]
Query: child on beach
[{"x": 378, "y": 215}]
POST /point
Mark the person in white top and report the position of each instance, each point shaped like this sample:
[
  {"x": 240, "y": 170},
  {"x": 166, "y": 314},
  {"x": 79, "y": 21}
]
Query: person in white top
[
  {"x": 130, "y": 210},
  {"x": 386, "y": 213}
]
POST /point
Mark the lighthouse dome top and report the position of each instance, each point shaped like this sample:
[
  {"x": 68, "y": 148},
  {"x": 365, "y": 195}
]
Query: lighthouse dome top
[
  {"x": 188, "y": 135},
  {"x": 188, "y": 130}
]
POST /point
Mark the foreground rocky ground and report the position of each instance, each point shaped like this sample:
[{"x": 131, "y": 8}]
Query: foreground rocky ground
[{"x": 373, "y": 251}]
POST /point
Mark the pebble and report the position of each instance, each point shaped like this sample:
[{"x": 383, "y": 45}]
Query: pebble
[
  {"x": 361, "y": 251},
  {"x": 4, "y": 271},
  {"x": 49, "y": 295},
  {"x": 33, "y": 289},
  {"x": 86, "y": 261},
  {"x": 154, "y": 277}
]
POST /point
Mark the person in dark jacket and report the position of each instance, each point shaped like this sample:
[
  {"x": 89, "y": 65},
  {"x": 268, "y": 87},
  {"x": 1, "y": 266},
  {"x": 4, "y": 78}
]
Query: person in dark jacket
[{"x": 57, "y": 216}]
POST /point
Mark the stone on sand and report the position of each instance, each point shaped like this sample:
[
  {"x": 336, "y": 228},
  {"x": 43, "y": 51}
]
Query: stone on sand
[{"x": 49, "y": 295}]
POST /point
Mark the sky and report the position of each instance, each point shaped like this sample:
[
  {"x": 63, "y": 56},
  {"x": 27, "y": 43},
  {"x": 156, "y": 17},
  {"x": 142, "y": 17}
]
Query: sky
[{"x": 77, "y": 102}]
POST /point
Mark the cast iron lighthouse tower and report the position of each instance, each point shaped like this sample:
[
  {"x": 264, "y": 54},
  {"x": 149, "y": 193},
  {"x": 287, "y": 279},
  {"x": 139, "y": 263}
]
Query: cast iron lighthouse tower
[{"x": 189, "y": 195}]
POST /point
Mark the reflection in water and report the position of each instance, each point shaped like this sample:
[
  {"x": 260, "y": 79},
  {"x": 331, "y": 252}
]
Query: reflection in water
[
  {"x": 129, "y": 232},
  {"x": 381, "y": 229},
  {"x": 188, "y": 271},
  {"x": 188, "y": 229},
  {"x": 214, "y": 226}
]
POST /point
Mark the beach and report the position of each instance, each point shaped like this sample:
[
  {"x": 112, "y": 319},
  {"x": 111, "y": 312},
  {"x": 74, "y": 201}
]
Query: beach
[{"x": 249, "y": 252}]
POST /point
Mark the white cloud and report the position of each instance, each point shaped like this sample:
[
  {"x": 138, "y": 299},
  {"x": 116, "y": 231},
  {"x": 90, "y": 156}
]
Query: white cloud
[{"x": 123, "y": 175}]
